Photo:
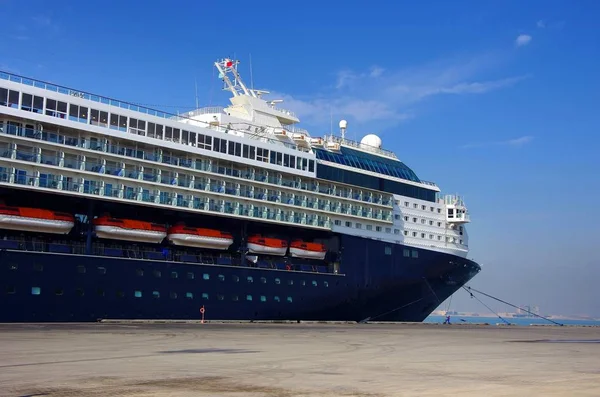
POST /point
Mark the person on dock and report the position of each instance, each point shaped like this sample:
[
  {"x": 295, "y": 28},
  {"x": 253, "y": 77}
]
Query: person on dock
[{"x": 447, "y": 321}]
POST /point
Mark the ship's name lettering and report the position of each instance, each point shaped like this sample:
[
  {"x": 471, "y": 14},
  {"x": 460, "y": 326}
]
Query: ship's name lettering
[{"x": 76, "y": 93}]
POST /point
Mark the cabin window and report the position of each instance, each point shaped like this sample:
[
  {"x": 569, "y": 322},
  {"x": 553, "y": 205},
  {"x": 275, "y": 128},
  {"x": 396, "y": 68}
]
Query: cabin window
[
  {"x": 325, "y": 284},
  {"x": 81, "y": 269},
  {"x": 303, "y": 282},
  {"x": 415, "y": 254},
  {"x": 277, "y": 281},
  {"x": 263, "y": 280},
  {"x": 231, "y": 148},
  {"x": 289, "y": 299},
  {"x": 189, "y": 295},
  {"x": 137, "y": 294},
  {"x": 250, "y": 279},
  {"x": 221, "y": 277},
  {"x": 174, "y": 275},
  {"x": 100, "y": 292},
  {"x": 206, "y": 276},
  {"x": 220, "y": 297},
  {"x": 314, "y": 283},
  {"x": 120, "y": 294},
  {"x": 36, "y": 290},
  {"x": 140, "y": 272},
  {"x": 190, "y": 275},
  {"x": 406, "y": 252},
  {"x": 38, "y": 267},
  {"x": 388, "y": 250},
  {"x": 263, "y": 298},
  {"x": 276, "y": 299},
  {"x": 58, "y": 292},
  {"x": 173, "y": 295},
  {"x": 205, "y": 296},
  {"x": 155, "y": 294},
  {"x": 290, "y": 282},
  {"x": 157, "y": 273},
  {"x": 235, "y": 298},
  {"x": 235, "y": 279},
  {"x": 311, "y": 165},
  {"x": 248, "y": 297},
  {"x": 101, "y": 270}
]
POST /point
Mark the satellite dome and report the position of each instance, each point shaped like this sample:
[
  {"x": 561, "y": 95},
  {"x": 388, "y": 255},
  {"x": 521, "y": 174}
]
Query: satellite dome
[
  {"x": 371, "y": 141},
  {"x": 343, "y": 124}
]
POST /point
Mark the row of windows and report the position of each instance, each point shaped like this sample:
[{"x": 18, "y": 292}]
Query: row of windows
[
  {"x": 81, "y": 269},
  {"x": 150, "y": 173},
  {"x": 122, "y": 123},
  {"x": 423, "y": 207},
  {"x": 11, "y": 290},
  {"x": 424, "y": 221},
  {"x": 368, "y": 162},
  {"x": 374, "y": 183}
]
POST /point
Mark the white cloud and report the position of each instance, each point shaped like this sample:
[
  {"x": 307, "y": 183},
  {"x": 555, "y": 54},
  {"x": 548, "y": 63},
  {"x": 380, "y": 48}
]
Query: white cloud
[
  {"x": 520, "y": 141},
  {"x": 541, "y": 24},
  {"x": 522, "y": 40},
  {"x": 388, "y": 96},
  {"x": 376, "y": 71},
  {"x": 516, "y": 142}
]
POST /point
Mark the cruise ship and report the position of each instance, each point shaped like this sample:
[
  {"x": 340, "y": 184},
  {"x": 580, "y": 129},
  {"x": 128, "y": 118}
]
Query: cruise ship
[{"x": 111, "y": 210}]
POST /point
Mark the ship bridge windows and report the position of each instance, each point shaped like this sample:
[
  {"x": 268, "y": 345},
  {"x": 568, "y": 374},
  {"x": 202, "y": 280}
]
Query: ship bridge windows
[
  {"x": 10, "y": 98},
  {"x": 97, "y": 117},
  {"x": 204, "y": 142},
  {"x": 219, "y": 145},
  {"x": 32, "y": 103},
  {"x": 118, "y": 122},
  {"x": 231, "y": 149},
  {"x": 137, "y": 127},
  {"x": 262, "y": 155},
  {"x": 78, "y": 113}
]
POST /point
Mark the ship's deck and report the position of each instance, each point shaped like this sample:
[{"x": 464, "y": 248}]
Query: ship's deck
[{"x": 297, "y": 360}]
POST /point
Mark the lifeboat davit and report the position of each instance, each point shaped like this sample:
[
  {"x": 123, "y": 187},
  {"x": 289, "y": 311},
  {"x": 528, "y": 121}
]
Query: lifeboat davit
[
  {"x": 35, "y": 220},
  {"x": 303, "y": 249},
  {"x": 258, "y": 244},
  {"x": 199, "y": 237},
  {"x": 129, "y": 229}
]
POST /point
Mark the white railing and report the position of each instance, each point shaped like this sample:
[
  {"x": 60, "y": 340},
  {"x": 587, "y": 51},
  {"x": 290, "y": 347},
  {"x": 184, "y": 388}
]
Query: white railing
[{"x": 362, "y": 146}]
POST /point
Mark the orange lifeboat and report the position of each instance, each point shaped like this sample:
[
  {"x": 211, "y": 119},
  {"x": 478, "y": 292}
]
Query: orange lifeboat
[
  {"x": 128, "y": 229},
  {"x": 303, "y": 249},
  {"x": 35, "y": 220},
  {"x": 199, "y": 237},
  {"x": 258, "y": 244}
]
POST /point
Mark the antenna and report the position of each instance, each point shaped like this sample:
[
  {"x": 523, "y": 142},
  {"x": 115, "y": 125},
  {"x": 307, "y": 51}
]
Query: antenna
[
  {"x": 343, "y": 126},
  {"x": 330, "y": 121},
  {"x": 196, "y": 86},
  {"x": 251, "y": 78}
]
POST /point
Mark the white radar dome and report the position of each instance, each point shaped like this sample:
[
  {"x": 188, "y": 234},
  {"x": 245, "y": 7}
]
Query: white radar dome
[
  {"x": 371, "y": 140},
  {"x": 343, "y": 124}
]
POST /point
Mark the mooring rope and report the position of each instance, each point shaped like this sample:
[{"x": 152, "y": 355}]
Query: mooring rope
[
  {"x": 490, "y": 309},
  {"x": 469, "y": 289}
]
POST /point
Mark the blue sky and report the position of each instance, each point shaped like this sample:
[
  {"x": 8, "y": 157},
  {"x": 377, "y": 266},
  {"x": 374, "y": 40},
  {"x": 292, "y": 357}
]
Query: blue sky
[{"x": 497, "y": 102}]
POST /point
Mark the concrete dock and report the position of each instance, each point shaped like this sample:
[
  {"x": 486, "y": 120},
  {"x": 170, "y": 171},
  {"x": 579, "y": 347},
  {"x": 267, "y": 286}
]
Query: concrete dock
[{"x": 292, "y": 360}]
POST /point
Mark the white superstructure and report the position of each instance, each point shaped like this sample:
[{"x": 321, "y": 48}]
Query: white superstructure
[{"x": 248, "y": 160}]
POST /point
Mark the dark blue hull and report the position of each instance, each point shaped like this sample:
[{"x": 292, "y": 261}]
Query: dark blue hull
[{"x": 375, "y": 281}]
